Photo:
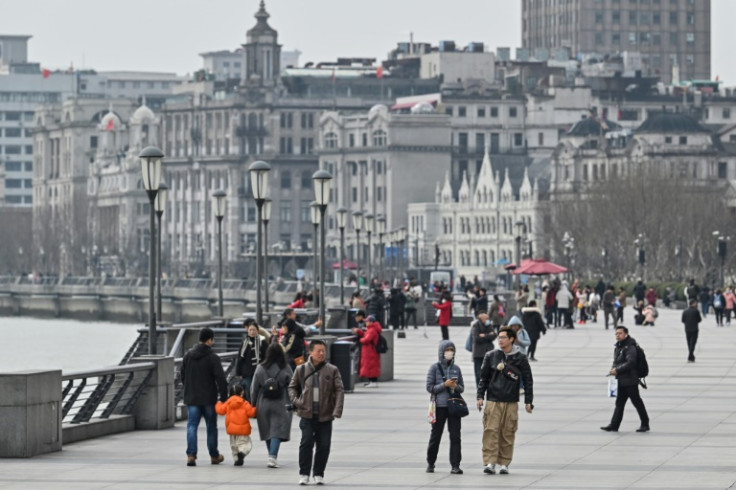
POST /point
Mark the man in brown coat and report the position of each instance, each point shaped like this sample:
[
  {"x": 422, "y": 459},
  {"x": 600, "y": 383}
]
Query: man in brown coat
[{"x": 316, "y": 391}]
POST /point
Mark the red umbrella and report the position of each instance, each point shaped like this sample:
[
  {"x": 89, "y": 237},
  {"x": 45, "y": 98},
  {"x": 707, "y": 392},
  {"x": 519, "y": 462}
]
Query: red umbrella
[
  {"x": 539, "y": 267},
  {"x": 346, "y": 264}
]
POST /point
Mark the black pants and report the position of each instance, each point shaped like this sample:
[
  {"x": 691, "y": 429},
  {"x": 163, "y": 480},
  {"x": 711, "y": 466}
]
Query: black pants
[
  {"x": 692, "y": 339},
  {"x": 719, "y": 316},
  {"x": 445, "y": 332},
  {"x": 453, "y": 426},
  {"x": 624, "y": 393},
  {"x": 411, "y": 313},
  {"x": 477, "y": 363},
  {"x": 319, "y": 433},
  {"x": 620, "y": 314},
  {"x": 610, "y": 313},
  {"x": 532, "y": 349}
]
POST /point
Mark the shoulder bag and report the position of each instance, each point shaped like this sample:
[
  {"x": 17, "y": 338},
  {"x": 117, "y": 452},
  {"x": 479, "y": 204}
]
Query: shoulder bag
[{"x": 456, "y": 405}]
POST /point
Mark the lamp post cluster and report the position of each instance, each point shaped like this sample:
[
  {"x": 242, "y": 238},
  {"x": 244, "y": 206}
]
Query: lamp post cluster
[
  {"x": 568, "y": 242},
  {"x": 520, "y": 236},
  {"x": 722, "y": 250}
]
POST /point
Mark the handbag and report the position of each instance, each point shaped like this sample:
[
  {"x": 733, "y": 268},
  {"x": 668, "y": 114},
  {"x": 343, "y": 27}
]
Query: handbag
[
  {"x": 456, "y": 406},
  {"x": 612, "y": 387},
  {"x": 299, "y": 360},
  {"x": 432, "y": 414}
]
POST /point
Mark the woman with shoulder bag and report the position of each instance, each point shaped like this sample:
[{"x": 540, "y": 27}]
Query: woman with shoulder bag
[
  {"x": 445, "y": 382},
  {"x": 274, "y": 421},
  {"x": 292, "y": 340}
]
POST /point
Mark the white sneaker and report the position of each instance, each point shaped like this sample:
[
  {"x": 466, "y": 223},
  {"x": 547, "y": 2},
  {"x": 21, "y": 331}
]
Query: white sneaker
[
  {"x": 272, "y": 463},
  {"x": 504, "y": 470},
  {"x": 372, "y": 385},
  {"x": 303, "y": 479},
  {"x": 490, "y": 469},
  {"x": 319, "y": 480}
]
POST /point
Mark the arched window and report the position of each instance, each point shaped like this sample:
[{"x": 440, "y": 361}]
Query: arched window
[
  {"x": 330, "y": 140},
  {"x": 379, "y": 138}
]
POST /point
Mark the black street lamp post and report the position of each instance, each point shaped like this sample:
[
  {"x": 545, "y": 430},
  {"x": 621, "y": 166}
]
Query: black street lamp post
[
  {"x": 342, "y": 218},
  {"x": 314, "y": 214},
  {"x": 266, "y": 210},
  {"x": 357, "y": 226},
  {"x": 641, "y": 254},
  {"x": 151, "y": 170},
  {"x": 322, "y": 180},
  {"x": 722, "y": 250},
  {"x": 259, "y": 172},
  {"x": 369, "y": 226},
  {"x": 520, "y": 233},
  {"x": 220, "y": 198},
  {"x": 568, "y": 242},
  {"x": 160, "y": 204},
  {"x": 381, "y": 225}
]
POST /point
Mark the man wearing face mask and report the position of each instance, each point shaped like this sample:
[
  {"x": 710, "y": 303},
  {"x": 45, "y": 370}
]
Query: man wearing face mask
[
  {"x": 443, "y": 379},
  {"x": 500, "y": 377},
  {"x": 483, "y": 336}
]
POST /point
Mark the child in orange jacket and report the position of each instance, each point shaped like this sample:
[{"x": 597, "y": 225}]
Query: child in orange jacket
[{"x": 237, "y": 413}]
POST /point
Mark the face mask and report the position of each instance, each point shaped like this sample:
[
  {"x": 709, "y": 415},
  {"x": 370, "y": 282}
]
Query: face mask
[
  {"x": 488, "y": 322},
  {"x": 449, "y": 355}
]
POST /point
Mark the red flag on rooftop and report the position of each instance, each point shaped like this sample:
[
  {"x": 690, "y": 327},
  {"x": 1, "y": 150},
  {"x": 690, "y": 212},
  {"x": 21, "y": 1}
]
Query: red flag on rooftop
[
  {"x": 110, "y": 124},
  {"x": 379, "y": 72},
  {"x": 46, "y": 72}
]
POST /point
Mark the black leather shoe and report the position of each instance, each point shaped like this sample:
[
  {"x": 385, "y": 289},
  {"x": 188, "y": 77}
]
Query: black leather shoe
[
  {"x": 456, "y": 471},
  {"x": 643, "y": 428},
  {"x": 609, "y": 428},
  {"x": 430, "y": 468}
]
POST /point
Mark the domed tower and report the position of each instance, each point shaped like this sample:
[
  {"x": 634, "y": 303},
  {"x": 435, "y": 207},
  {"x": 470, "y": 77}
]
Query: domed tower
[
  {"x": 262, "y": 53},
  {"x": 112, "y": 129},
  {"x": 143, "y": 128}
]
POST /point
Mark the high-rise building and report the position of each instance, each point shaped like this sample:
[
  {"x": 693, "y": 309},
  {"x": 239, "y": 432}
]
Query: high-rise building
[{"x": 667, "y": 33}]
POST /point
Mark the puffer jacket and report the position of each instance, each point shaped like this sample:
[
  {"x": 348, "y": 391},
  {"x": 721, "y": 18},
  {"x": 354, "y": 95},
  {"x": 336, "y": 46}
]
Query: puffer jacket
[
  {"x": 624, "y": 360},
  {"x": 331, "y": 391},
  {"x": 238, "y": 413},
  {"x": 435, "y": 380},
  {"x": 495, "y": 386}
]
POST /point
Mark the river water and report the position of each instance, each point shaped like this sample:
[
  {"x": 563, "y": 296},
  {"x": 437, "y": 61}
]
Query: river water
[{"x": 69, "y": 345}]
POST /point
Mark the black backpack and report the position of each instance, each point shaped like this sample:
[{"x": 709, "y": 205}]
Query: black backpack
[
  {"x": 271, "y": 389},
  {"x": 642, "y": 366},
  {"x": 381, "y": 345}
]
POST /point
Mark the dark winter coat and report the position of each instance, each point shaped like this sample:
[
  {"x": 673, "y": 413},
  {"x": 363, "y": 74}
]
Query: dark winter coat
[
  {"x": 375, "y": 305},
  {"x": 370, "y": 359},
  {"x": 251, "y": 354},
  {"x": 293, "y": 340},
  {"x": 396, "y": 302},
  {"x": 624, "y": 360},
  {"x": 331, "y": 391},
  {"x": 640, "y": 290},
  {"x": 273, "y": 418},
  {"x": 533, "y": 323},
  {"x": 484, "y": 344},
  {"x": 495, "y": 386},
  {"x": 479, "y": 303},
  {"x": 202, "y": 377},
  {"x": 691, "y": 318},
  {"x": 435, "y": 380}
]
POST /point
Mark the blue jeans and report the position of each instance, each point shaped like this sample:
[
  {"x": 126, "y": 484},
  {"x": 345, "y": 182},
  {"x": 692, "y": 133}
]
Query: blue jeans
[
  {"x": 273, "y": 446},
  {"x": 194, "y": 415}
]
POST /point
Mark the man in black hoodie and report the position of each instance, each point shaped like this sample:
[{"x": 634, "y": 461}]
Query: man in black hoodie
[
  {"x": 624, "y": 368},
  {"x": 203, "y": 378}
]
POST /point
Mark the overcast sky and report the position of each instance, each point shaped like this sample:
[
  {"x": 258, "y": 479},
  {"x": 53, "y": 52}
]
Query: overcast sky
[{"x": 168, "y": 35}]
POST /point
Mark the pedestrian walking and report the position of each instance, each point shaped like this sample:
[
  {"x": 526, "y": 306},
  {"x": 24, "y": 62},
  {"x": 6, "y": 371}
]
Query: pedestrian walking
[
  {"x": 621, "y": 304},
  {"x": 203, "y": 379},
  {"x": 396, "y": 308},
  {"x": 444, "y": 309},
  {"x": 237, "y": 412},
  {"x": 730, "y": 298},
  {"x": 501, "y": 375},
  {"x": 252, "y": 352},
  {"x": 565, "y": 300},
  {"x": 522, "y": 336},
  {"x": 445, "y": 379},
  {"x": 625, "y": 368},
  {"x": 535, "y": 327},
  {"x": 608, "y": 300},
  {"x": 691, "y": 318},
  {"x": 292, "y": 340},
  {"x": 370, "y": 359},
  {"x": 270, "y": 396},
  {"x": 719, "y": 303},
  {"x": 412, "y": 297},
  {"x": 317, "y": 394},
  {"x": 483, "y": 336}
]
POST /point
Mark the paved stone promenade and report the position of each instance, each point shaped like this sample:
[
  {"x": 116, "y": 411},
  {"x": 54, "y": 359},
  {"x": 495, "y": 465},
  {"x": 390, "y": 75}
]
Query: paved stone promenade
[{"x": 381, "y": 440}]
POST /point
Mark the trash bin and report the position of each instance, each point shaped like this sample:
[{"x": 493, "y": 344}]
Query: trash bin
[{"x": 343, "y": 354}]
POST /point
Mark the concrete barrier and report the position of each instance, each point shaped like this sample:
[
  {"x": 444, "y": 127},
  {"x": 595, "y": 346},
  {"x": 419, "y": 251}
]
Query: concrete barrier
[
  {"x": 154, "y": 410},
  {"x": 30, "y": 413}
]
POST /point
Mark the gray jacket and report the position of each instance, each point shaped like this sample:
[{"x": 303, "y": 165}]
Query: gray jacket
[
  {"x": 484, "y": 344},
  {"x": 273, "y": 418},
  {"x": 435, "y": 380}
]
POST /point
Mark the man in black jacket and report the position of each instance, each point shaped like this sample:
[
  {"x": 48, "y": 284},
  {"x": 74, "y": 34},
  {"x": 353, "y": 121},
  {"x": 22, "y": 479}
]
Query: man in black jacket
[
  {"x": 691, "y": 318},
  {"x": 500, "y": 375},
  {"x": 624, "y": 368},
  {"x": 203, "y": 378}
]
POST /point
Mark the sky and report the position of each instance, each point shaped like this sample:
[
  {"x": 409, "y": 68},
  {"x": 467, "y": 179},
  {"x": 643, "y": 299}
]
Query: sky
[{"x": 168, "y": 35}]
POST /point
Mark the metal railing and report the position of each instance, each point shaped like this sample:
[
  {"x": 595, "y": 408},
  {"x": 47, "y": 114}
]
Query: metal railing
[{"x": 100, "y": 393}]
